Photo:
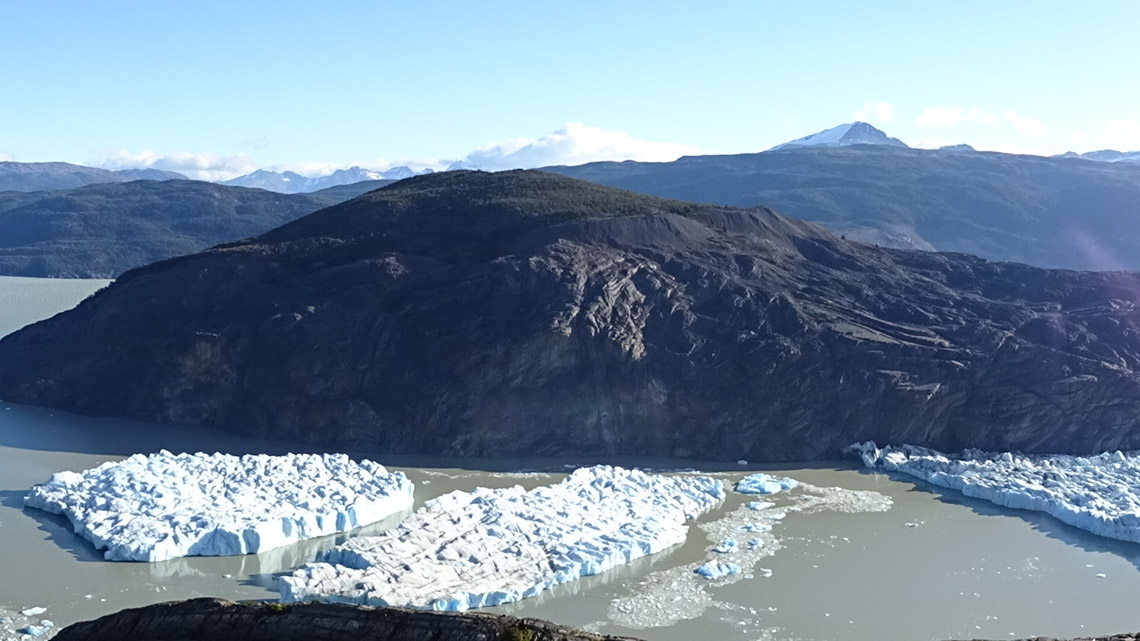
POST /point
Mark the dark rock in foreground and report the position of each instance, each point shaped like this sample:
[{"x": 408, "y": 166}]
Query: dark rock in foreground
[
  {"x": 524, "y": 313},
  {"x": 220, "y": 620}
]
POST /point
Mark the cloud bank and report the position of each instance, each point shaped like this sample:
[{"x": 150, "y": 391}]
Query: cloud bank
[
  {"x": 573, "y": 144},
  {"x": 199, "y": 166}
]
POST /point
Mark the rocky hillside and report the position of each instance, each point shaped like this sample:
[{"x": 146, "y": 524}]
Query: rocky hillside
[
  {"x": 100, "y": 231},
  {"x": 1050, "y": 212},
  {"x": 526, "y": 313},
  {"x": 219, "y": 620}
]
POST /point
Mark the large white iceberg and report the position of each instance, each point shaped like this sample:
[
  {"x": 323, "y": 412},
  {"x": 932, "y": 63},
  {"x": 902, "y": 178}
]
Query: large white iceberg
[
  {"x": 491, "y": 546},
  {"x": 163, "y": 506},
  {"x": 1100, "y": 494}
]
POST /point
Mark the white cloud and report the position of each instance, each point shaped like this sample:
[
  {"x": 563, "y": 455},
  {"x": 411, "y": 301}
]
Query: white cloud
[
  {"x": 204, "y": 166},
  {"x": 1078, "y": 137},
  {"x": 939, "y": 116},
  {"x": 6, "y": 156},
  {"x": 573, "y": 144},
  {"x": 881, "y": 111},
  {"x": 1122, "y": 127},
  {"x": 1025, "y": 124}
]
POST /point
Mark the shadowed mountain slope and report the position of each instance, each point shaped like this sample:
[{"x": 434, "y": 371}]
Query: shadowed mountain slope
[
  {"x": 1050, "y": 212},
  {"x": 527, "y": 313},
  {"x": 100, "y": 231}
]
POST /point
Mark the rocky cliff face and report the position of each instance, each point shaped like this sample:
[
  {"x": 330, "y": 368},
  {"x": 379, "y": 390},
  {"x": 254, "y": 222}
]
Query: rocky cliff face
[
  {"x": 524, "y": 313},
  {"x": 219, "y": 620}
]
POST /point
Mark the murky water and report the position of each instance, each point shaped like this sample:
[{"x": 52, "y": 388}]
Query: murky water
[
  {"x": 935, "y": 565},
  {"x": 26, "y": 300}
]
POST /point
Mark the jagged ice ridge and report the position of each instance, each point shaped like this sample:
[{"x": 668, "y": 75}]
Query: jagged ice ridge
[
  {"x": 162, "y": 506},
  {"x": 1099, "y": 494},
  {"x": 492, "y": 546}
]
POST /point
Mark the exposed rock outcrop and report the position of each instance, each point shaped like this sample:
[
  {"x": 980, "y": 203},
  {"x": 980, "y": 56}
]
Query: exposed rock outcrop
[
  {"x": 220, "y": 620},
  {"x": 523, "y": 313}
]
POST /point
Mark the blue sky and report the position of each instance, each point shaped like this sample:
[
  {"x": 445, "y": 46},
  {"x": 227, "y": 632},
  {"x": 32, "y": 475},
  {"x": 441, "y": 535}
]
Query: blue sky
[{"x": 219, "y": 88}]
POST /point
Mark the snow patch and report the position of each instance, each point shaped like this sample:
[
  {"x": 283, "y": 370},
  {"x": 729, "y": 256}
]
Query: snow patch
[
  {"x": 493, "y": 546},
  {"x": 162, "y": 506},
  {"x": 1099, "y": 494}
]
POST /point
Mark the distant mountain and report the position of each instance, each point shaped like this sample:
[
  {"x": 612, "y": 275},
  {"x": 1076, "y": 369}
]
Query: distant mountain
[
  {"x": 1106, "y": 155},
  {"x": 99, "y": 231},
  {"x": 45, "y": 176},
  {"x": 527, "y": 314},
  {"x": 341, "y": 193},
  {"x": 1049, "y": 212},
  {"x": 957, "y": 148},
  {"x": 150, "y": 174},
  {"x": 292, "y": 183},
  {"x": 855, "y": 133}
]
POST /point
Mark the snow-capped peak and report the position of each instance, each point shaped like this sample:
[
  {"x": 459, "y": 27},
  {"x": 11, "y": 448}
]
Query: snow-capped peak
[{"x": 854, "y": 133}]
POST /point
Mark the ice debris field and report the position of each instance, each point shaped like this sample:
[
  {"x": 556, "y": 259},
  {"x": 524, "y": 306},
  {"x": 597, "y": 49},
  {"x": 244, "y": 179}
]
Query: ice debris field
[
  {"x": 492, "y": 546},
  {"x": 1100, "y": 494},
  {"x": 162, "y": 506}
]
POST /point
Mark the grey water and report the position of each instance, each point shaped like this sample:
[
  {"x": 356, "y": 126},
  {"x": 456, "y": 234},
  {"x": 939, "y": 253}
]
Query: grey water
[{"x": 936, "y": 565}]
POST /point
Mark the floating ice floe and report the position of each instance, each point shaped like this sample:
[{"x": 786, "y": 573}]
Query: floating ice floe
[
  {"x": 40, "y": 630},
  {"x": 717, "y": 569},
  {"x": 664, "y": 597},
  {"x": 1100, "y": 494},
  {"x": 163, "y": 506},
  {"x": 492, "y": 546},
  {"x": 764, "y": 484},
  {"x": 725, "y": 546}
]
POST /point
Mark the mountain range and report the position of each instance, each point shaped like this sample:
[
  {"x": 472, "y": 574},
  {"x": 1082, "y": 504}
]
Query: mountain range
[
  {"x": 1106, "y": 155},
  {"x": 527, "y": 314},
  {"x": 1051, "y": 212},
  {"x": 101, "y": 230},
  {"x": 45, "y": 176},
  {"x": 1067, "y": 212},
  {"x": 292, "y": 183}
]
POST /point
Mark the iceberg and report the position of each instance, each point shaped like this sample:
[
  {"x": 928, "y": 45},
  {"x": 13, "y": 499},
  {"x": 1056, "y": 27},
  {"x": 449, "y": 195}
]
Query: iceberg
[
  {"x": 163, "y": 506},
  {"x": 717, "y": 569},
  {"x": 40, "y": 630},
  {"x": 1099, "y": 494},
  {"x": 492, "y": 546},
  {"x": 764, "y": 484}
]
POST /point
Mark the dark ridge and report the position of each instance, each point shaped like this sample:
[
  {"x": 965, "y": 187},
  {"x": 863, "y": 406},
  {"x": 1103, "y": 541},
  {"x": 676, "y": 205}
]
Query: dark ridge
[
  {"x": 219, "y": 620},
  {"x": 524, "y": 313}
]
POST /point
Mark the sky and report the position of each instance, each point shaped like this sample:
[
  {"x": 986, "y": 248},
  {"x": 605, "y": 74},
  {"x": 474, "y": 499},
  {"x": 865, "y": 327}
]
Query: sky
[{"x": 218, "y": 89}]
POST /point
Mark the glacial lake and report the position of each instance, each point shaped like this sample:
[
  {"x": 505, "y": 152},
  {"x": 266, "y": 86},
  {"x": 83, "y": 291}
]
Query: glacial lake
[{"x": 935, "y": 565}]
